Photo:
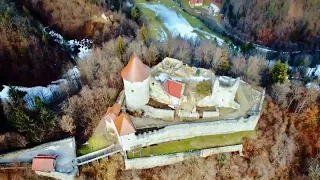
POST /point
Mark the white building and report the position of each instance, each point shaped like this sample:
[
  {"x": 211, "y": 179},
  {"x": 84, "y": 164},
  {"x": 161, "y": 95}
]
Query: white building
[{"x": 136, "y": 77}]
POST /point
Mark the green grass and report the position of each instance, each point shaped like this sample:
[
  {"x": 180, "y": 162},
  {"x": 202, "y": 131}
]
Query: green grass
[
  {"x": 96, "y": 142},
  {"x": 156, "y": 25},
  {"x": 191, "y": 144}
]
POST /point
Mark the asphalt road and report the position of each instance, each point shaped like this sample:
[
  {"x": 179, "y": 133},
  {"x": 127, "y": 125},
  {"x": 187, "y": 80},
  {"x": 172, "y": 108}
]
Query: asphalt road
[{"x": 65, "y": 149}]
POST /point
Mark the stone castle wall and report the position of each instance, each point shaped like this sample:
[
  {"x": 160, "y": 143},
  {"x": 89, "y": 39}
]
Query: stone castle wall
[
  {"x": 154, "y": 161},
  {"x": 190, "y": 130}
]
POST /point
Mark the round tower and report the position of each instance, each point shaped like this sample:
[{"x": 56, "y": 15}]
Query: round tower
[{"x": 136, "y": 77}]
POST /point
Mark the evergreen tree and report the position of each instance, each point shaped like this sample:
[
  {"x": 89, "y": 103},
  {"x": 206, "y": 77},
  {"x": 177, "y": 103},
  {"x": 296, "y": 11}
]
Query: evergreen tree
[
  {"x": 135, "y": 13},
  {"x": 46, "y": 114},
  {"x": 23, "y": 123},
  {"x": 144, "y": 34},
  {"x": 120, "y": 47},
  {"x": 16, "y": 96},
  {"x": 279, "y": 72}
]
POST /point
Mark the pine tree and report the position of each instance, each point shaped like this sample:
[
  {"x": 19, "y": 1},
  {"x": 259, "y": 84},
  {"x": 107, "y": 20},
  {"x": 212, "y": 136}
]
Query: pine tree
[
  {"x": 144, "y": 34},
  {"x": 279, "y": 72},
  {"x": 16, "y": 96},
  {"x": 23, "y": 123},
  {"x": 135, "y": 13},
  {"x": 46, "y": 114},
  {"x": 120, "y": 47}
]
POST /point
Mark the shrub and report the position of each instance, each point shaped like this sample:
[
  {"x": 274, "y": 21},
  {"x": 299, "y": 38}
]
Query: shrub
[{"x": 203, "y": 88}]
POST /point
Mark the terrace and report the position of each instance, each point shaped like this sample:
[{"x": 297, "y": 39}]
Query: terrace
[{"x": 191, "y": 144}]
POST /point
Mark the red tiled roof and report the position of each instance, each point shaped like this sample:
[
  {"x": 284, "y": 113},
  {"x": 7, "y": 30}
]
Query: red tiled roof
[
  {"x": 173, "y": 88},
  {"x": 124, "y": 124},
  {"x": 195, "y": 1},
  {"x": 135, "y": 70},
  {"x": 114, "y": 109},
  {"x": 43, "y": 163}
]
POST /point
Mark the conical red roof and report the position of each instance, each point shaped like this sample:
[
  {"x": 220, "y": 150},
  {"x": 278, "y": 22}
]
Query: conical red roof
[{"x": 135, "y": 70}]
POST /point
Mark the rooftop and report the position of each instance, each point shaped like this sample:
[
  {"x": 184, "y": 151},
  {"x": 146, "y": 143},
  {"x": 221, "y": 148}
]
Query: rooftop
[
  {"x": 43, "y": 163},
  {"x": 135, "y": 70},
  {"x": 124, "y": 124}
]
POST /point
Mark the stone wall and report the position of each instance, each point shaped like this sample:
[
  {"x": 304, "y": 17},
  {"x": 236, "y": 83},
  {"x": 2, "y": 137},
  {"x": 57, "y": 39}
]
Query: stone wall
[
  {"x": 188, "y": 115},
  {"x": 210, "y": 114},
  {"x": 154, "y": 161},
  {"x": 155, "y": 113},
  {"x": 188, "y": 130},
  {"x": 58, "y": 175}
]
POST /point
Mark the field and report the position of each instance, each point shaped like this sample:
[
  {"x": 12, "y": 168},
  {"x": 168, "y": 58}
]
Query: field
[
  {"x": 164, "y": 17},
  {"x": 191, "y": 144}
]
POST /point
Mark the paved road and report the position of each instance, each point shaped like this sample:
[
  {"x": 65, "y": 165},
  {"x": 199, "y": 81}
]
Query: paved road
[{"x": 65, "y": 149}]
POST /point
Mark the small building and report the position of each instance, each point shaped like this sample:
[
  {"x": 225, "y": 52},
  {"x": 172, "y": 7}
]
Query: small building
[
  {"x": 108, "y": 16},
  {"x": 194, "y": 3},
  {"x": 173, "y": 89},
  {"x": 45, "y": 163},
  {"x": 124, "y": 127}
]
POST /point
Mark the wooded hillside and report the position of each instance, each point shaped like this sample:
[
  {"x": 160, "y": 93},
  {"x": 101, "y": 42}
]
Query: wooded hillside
[{"x": 274, "y": 21}]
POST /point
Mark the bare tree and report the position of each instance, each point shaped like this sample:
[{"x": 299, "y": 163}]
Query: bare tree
[
  {"x": 239, "y": 66},
  {"x": 168, "y": 47},
  {"x": 206, "y": 52},
  {"x": 183, "y": 51},
  {"x": 279, "y": 93},
  {"x": 152, "y": 55},
  {"x": 255, "y": 65},
  {"x": 67, "y": 123}
]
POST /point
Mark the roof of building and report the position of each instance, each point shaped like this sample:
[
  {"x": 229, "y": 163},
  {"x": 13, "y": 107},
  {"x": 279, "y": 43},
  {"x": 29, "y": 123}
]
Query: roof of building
[
  {"x": 43, "y": 163},
  {"x": 195, "y": 1},
  {"x": 124, "y": 124},
  {"x": 173, "y": 88},
  {"x": 112, "y": 112},
  {"x": 135, "y": 70}
]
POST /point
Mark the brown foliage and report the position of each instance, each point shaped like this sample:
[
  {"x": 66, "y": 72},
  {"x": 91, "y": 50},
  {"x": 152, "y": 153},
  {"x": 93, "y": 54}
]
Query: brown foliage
[
  {"x": 275, "y": 154},
  {"x": 81, "y": 18},
  {"x": 11, "y": 140},
  {"x": 284, "y": 20},
  {"x": 26, "y": 58}
]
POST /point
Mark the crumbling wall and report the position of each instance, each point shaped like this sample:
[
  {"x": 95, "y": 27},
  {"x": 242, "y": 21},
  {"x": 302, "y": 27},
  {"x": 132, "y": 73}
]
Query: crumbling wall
[
  {"x": 188, "y": 115},
  {"x": 210, "y": 114},
  {"x": 155, "y": 113},
  {"x": 154, "y": 161}
]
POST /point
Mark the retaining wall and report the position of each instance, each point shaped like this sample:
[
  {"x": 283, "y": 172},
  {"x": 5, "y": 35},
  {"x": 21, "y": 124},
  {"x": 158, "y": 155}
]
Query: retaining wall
[
  {"x": 190, "y": 130},
  {"x": 150, "y": 162},
  {"x": 155, "y": 113}
]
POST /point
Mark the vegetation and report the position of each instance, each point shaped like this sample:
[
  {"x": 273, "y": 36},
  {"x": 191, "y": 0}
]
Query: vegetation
[
  {"x": 192, "y": 144},
  {"x": 289, "y": 125},
  {"x": 94, "y": 143},
  {"x": 203, "y": 88},
  {"x": 279, "y": 72},
  {"x": 284, "y": 25}
]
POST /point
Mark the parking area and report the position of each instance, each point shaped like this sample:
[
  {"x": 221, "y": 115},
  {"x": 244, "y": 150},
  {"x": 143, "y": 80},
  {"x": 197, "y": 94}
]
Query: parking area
[{"x": 65, "y": 149}]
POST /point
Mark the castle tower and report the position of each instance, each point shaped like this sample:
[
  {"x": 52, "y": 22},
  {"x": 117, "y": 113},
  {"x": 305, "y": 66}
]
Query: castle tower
[{"x": 136, "y": 77}]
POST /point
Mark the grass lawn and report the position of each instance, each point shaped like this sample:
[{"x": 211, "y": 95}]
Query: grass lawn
[
  {"x": 191, "y": 144},
  {"x": 95, "y": 143},
  {"x": 156, "y": 26}
]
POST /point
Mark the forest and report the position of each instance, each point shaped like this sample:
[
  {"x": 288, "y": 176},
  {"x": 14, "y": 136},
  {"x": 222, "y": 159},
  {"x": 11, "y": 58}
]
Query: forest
[
  {"x": 288, "y": 142},
  {"x": 288, "y": 25}
]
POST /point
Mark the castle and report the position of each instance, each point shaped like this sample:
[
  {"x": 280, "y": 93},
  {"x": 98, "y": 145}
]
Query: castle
[{"x": 163, "y": 117}]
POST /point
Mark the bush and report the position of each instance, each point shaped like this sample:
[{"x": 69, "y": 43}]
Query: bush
[{"x": 203, "y": 88}]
